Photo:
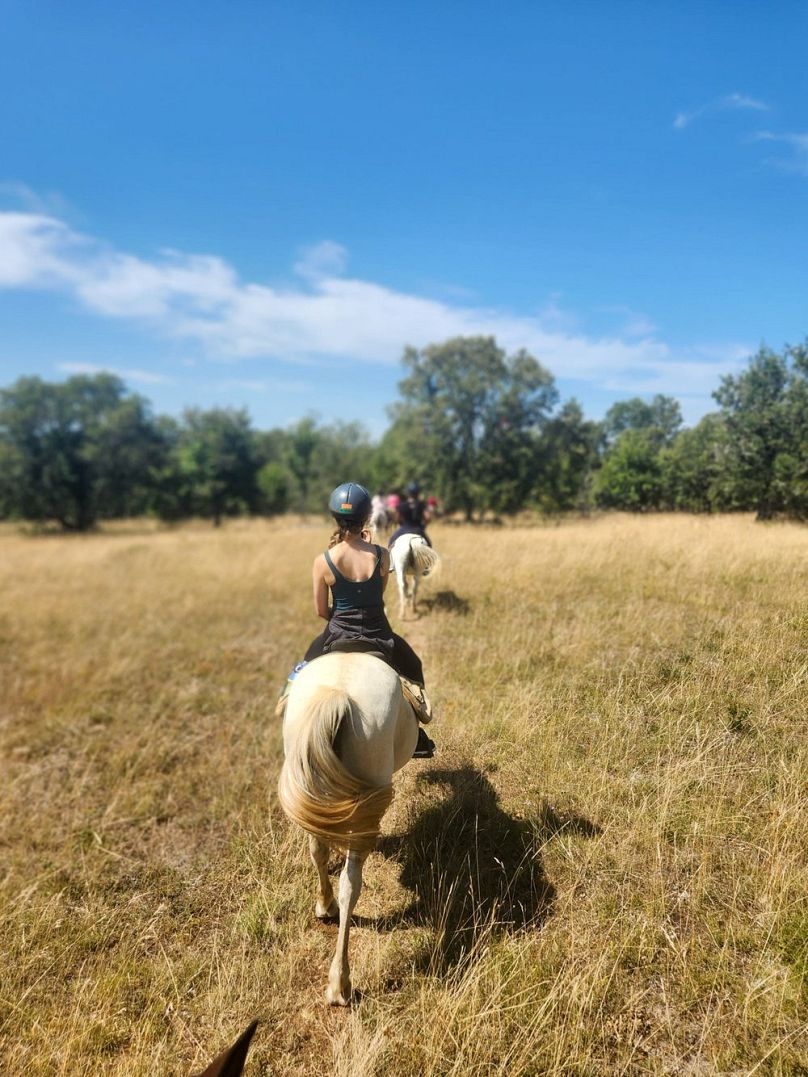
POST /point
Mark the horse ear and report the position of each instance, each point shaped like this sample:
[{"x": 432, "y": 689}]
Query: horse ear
[{"x": 230, "y": 1063}]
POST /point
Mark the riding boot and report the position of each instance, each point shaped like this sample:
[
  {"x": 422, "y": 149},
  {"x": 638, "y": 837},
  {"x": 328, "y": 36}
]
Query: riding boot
[
  {"x": 416, "y": 696},
  {"x": 425, "y": 748}
]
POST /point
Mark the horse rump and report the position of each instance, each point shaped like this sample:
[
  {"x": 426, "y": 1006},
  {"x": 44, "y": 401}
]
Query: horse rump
[{"x": 315, "y": 789}]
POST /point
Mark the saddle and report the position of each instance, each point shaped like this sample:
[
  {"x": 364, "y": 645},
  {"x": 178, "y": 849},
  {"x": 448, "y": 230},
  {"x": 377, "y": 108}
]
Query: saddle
[{"x": 414, "y": 693}]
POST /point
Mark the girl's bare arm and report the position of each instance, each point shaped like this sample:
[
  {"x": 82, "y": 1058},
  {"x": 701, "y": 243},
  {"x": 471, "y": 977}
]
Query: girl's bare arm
[{"x": 320, "y": 587}]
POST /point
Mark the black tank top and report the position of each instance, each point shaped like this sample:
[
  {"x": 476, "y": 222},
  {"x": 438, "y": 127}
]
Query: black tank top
[{"x": 357, "y": 594}]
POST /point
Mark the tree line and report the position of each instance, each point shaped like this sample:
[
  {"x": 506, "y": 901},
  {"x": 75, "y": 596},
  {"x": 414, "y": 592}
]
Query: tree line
[{"x": 484, "y": 431}]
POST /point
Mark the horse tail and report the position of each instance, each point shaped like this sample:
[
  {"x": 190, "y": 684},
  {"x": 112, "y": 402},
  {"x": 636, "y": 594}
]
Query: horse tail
[
  {"x": 424, "y": 557},
  {"x": 316, "y": 790}
]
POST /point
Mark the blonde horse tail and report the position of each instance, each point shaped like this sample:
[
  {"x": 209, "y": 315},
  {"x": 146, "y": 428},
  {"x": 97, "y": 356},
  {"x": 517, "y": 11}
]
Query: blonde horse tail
[
  {"x": 424, "y": 557},
  {"x": 317, "y": 792}
]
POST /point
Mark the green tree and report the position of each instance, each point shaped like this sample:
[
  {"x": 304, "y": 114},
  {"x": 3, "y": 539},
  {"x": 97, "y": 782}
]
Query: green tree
[
  {"x": 217, "y": 463},
  {"x": 273, "y": 486},
  {"x": 694, "y": 468},
  {"x": 343, "y": 453},
  {"x": 567, "y": 453},
  {"x": 765, "y": 409},
  {"x": 468, "y": 421},
  {"x": 74, "y": 452},
  {"x": 317, "y": 458},
  {"x": 662, "y": 416},
  {"x": 631, "y": 474}
]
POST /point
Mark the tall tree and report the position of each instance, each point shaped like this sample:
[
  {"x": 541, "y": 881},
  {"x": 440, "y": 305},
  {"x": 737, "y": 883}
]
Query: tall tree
[
  {"x": 662, "y": 417},
  {"x": 695, "y": 469},
  {"x": 469, "y": 416},
  {"x": 76, "y": 451},
  {"x": 218, "y": 462},
  {"x": 567, "y": 455},
  {"x": 765, "y": 409},
  {"x": 631, "y": 474}
]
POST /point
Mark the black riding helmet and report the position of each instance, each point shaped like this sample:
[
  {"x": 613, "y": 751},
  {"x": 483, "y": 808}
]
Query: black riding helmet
[
  {"x": 350, "y": 502},
  {"x": 414, "y": 489}
]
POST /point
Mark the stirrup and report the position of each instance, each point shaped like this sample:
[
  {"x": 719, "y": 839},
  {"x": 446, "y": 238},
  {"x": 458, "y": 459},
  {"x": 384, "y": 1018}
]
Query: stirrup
[{"x": 416, "y": 696}]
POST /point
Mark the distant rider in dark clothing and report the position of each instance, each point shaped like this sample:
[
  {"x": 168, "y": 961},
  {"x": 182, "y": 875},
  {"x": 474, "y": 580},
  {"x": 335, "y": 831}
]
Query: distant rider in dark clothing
[{"x": 413, "y": 516}]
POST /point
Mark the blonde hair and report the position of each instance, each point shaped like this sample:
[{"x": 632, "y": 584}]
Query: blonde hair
[{"x": 349, "y": 527}]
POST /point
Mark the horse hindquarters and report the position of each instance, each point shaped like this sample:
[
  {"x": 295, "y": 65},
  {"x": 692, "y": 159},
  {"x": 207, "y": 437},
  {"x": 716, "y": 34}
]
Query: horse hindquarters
[{"x": 316, "y": 790}]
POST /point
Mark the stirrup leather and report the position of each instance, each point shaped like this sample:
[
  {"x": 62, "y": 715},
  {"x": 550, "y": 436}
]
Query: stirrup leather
[{"x": 416, "y": 696}]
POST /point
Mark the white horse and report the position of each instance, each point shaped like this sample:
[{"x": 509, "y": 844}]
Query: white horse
[
  {"x": 411, "y": 556},
  {"x": 347, "y": 728},
  {"x": 379, "y": 522}
]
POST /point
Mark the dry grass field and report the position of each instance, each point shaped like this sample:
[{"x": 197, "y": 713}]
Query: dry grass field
[{"x": 602, "y": 872}]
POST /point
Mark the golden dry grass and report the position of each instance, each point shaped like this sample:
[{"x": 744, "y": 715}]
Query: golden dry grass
[{"x": 603, "y": 872}]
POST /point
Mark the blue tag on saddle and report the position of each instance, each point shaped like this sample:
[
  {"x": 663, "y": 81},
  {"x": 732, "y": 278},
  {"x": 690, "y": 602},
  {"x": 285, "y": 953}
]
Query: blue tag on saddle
[{"x": 296, "y": 670}]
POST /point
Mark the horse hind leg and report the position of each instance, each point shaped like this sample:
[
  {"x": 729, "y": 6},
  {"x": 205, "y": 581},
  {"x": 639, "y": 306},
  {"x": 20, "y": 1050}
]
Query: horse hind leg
[
  {"x": 325, "y": 907},
  {"x": 350, "y": 886},
  {"x": 402, "y": 593}
]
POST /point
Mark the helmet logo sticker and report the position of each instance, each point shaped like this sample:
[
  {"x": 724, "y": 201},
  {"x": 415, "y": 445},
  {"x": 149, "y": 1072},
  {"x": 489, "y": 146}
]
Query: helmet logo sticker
[{"x": 346, "y": 505}]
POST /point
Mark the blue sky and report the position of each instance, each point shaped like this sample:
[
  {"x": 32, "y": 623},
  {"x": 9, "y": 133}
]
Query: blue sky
[{"x": 260, "y": 204}]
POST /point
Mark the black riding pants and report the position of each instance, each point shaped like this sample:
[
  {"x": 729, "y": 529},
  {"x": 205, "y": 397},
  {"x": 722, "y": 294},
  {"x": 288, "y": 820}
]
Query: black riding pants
[{"x": 402, "y": 658}]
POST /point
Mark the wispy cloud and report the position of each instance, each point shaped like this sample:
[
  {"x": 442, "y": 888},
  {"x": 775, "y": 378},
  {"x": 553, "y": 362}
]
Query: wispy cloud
[
  {"x": 796, "y": 142},
  {"x": 21, "y": 196},
  {"x": 326, "y": 259},
  {"x": 324, "y": 318},
  {"x": 732, "y": 101},
  {"x": 633, "y": 322},
  {"x": 143, "y": 377}
]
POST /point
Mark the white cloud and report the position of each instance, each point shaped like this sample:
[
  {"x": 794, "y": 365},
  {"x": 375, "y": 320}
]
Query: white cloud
[
  {"x": 326, "y": 259},
  {"x": 145, "y": 377},
  {"x": 200, "y": 298},
  {"x": 797, "y": 142},
  {"x": 731, "y": 101},
  {"x": 633, "y": 322}
]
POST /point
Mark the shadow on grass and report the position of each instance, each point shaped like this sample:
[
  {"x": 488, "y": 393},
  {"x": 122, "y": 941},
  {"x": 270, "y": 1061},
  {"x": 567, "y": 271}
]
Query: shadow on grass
[
  {"x": 446, "y": 602},
  {"x": 476, "y": 871}
]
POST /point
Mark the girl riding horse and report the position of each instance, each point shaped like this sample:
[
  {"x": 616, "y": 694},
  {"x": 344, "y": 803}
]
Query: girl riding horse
[{"x": 355, "y": 572}]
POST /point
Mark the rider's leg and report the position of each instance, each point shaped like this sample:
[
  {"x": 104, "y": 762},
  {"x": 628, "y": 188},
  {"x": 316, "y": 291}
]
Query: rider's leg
[
  {"x": 405, "y": 661},
  {"x": 408, "y": 666},
  {"x": 316, "y": 647}
]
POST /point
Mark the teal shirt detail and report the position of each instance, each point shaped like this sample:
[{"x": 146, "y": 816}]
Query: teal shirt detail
[{"x": 357, "y": 594}]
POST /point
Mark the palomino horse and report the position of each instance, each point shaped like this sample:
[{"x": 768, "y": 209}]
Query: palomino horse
[
  {"x": 347, "y": 728},
  {"x": 411, "y": 556}
]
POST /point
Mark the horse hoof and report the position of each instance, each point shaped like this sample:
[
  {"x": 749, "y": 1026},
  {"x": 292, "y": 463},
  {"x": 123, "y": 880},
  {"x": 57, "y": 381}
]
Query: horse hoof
[
  {"x": 329, "y": 913},
  {"x": 338, "y": 998}
]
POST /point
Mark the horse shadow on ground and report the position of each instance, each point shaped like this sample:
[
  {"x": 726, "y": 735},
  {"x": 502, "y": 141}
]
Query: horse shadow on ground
[
  {"x": 475, "y": 871},
  {"x": 445, "y": 602}
]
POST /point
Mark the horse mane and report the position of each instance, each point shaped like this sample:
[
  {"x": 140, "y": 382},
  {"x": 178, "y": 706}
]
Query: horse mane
[{"x": 316, "y": 790}]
